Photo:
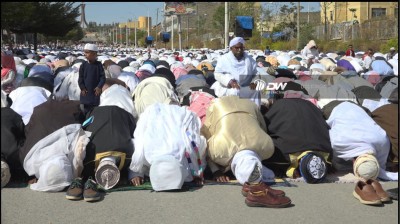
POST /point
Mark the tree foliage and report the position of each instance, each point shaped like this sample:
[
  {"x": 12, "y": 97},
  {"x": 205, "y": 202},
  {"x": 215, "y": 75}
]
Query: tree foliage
[{"x": 47, "y": 18}]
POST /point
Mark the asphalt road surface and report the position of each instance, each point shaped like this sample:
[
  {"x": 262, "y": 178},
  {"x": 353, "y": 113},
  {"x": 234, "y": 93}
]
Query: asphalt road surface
[{"x": 318, "y": 203}]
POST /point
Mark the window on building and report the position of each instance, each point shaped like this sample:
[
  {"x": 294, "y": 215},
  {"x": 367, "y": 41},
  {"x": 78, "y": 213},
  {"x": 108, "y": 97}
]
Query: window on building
[
  {"x": 378, "y": 12},
  {"x": 331, "y": 15}
]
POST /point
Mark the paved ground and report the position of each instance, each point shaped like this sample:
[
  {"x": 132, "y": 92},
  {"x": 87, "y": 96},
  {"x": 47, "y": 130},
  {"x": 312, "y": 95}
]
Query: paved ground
[{"x": 320, "y": 203}]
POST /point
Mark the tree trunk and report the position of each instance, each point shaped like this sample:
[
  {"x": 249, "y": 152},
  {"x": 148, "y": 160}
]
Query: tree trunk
[{"x": 35, "y": 41}]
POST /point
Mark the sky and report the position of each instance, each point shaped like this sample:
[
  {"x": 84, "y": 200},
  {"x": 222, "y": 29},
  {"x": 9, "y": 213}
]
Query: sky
[{"x": 109, "y": 12}]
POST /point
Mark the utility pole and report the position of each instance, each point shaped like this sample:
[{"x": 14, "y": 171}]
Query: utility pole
[
  {"x": 226, "y": 25},
  {"x": 148, "y": 23},
  {"x": 180, "y": 33},
  {"x": 187, "y": 31},
  {"x": 172, "y": 33},
  {"x": 156, "y": 25},
  {"x": 298, "y": 26},
  {"x": 135, "y": 33},
  {"x": 120, "y": 33}
]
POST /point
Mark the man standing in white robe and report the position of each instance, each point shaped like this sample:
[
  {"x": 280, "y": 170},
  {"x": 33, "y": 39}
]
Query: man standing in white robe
[{"x": 234, "y": 73}]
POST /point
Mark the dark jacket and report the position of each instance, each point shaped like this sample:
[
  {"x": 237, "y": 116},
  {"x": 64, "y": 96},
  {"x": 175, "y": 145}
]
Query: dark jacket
[
  {"x": 112, "y": 130},
  {"x": 296, "y": 125},
  {"x": 90, "y": 77},
  {"x": 12, "y": 136},
  {"x": 47, "y": 118}
]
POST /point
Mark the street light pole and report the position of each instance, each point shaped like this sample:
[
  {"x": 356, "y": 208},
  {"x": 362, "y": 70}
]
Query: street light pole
[
  {"x": 135, "y": 34},
  {"x": 172, "y": 32},
  {"x": 298, "y": 25},
  {"x": 180, "y": 33},
  {"x": 187, "y": 31},
  {"x": 226, "y": 25}
]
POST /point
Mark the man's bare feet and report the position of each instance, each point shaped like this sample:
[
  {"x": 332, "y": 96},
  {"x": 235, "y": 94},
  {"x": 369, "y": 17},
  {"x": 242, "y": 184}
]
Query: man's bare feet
[
  {"x": 32, "y": 181},
  {"x": 220, "y": 177}
]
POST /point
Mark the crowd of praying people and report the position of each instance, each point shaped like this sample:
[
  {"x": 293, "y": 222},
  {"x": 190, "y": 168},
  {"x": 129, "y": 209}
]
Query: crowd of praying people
[{"x": 91, "y": 118}]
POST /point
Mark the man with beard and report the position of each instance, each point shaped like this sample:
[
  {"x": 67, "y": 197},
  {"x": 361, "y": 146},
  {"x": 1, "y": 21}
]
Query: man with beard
[{"x": 234, "y": 73}]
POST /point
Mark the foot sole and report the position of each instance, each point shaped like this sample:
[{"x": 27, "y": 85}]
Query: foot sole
[
  {"x": 92, "y": 199},
  {"x": 69, "y": 197},
  {"x": 256, "y": 204}
]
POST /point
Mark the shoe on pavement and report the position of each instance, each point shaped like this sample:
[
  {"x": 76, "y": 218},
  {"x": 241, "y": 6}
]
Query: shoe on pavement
[
  {"x": 383, "y": 195},
  {"x": 266, "y": 199},
  {"x": 5, "y": 173},
  {"x": 91, "y": 192},
  {"x": 75, "y": 190},
  {"x": 366, "y": 194},
  {"x": 260, "y": 187}
]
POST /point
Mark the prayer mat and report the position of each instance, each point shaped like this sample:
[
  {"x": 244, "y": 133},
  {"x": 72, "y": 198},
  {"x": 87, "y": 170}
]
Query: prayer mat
[{"x": 337, "y": 177}]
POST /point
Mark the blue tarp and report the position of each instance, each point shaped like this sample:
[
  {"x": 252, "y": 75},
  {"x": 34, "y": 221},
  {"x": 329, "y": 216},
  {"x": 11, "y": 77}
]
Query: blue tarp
[
  {"x": 277, "y": 34},
  {"x": 274, "y": 36},
  {"x": 246, "y": 22},
  {"x": 166, "y": 36},
  {"x": 149, "y": 38}
]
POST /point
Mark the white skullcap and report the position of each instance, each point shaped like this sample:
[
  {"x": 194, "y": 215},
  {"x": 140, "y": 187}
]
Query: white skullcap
[
  {"x": 235, "y": 41},
  {"x": 147, "y": 67},
  {"x": 90, "y": 47},
  {"x": 366, "y": 167},
  {"x": 167, "y": 173}
]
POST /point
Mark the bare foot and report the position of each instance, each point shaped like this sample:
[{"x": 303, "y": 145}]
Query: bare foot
[{"x": 32, "y": 181}]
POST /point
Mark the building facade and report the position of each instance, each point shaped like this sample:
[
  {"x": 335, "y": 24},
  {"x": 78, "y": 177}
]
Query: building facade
[{"x": 339, "y": 12}]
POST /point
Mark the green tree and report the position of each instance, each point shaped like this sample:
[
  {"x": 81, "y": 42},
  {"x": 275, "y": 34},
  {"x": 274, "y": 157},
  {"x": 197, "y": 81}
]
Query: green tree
[{"x": 47, "y": 18}]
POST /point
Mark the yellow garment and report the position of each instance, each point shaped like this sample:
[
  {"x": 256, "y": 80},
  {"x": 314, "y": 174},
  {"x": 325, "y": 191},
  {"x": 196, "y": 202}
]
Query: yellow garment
[
  {"x": 102, "y": 155},
  {"x": 233, "y": 124},
  {"x": 295, "y": 161},
  {"x": 153, "y": 90}
]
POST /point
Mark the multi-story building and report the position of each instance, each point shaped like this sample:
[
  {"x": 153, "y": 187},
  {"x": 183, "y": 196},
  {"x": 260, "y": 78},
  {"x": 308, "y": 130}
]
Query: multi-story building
[
  {"x": 142, "y": 23},
  {"x": 338, "y": 12}
]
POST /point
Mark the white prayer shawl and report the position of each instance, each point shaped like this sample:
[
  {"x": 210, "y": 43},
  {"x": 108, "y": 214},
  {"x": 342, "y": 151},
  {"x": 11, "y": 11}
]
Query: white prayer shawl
[
  {"x": 243, "y": 71},
  {"x": 372, "y": 105},
  {"x": 68, "y": 88},
  {"x": 26, "y": 98},
  {"x": 228, "y": 68},
  {"x": 153, "y": 90},
  {"x": 163, "y": 130},
  {"x": 327, "y": 94},
  {"x": 395, "y": 64},
  {"x": 130, "y": 79},
  {"x": 243, "y": 164},
  {"x": 61, "y": 76},
  {"x": 117, "y": 95},
  {"x": 353, "y": 133},
  {"x": 67, "y": 145},
  {"x": 388, "y": 88}
]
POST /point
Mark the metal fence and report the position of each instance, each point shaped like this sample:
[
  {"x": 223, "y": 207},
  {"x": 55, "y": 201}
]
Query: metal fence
[{"x": 371, "y": 30}]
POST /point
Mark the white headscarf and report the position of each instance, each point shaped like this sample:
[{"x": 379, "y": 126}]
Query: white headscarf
[
  {"x": 26, "y": 98},
  {"x": 243, "y": 164},
  {"x": 236, "y": 40},
  {"x": 168, "y": 130}
]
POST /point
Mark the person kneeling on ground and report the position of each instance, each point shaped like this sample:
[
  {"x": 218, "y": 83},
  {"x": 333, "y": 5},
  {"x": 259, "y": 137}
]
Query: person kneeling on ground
[
  {"x": 168, "y": 148},
  {"x": 229, "y": 147}
]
